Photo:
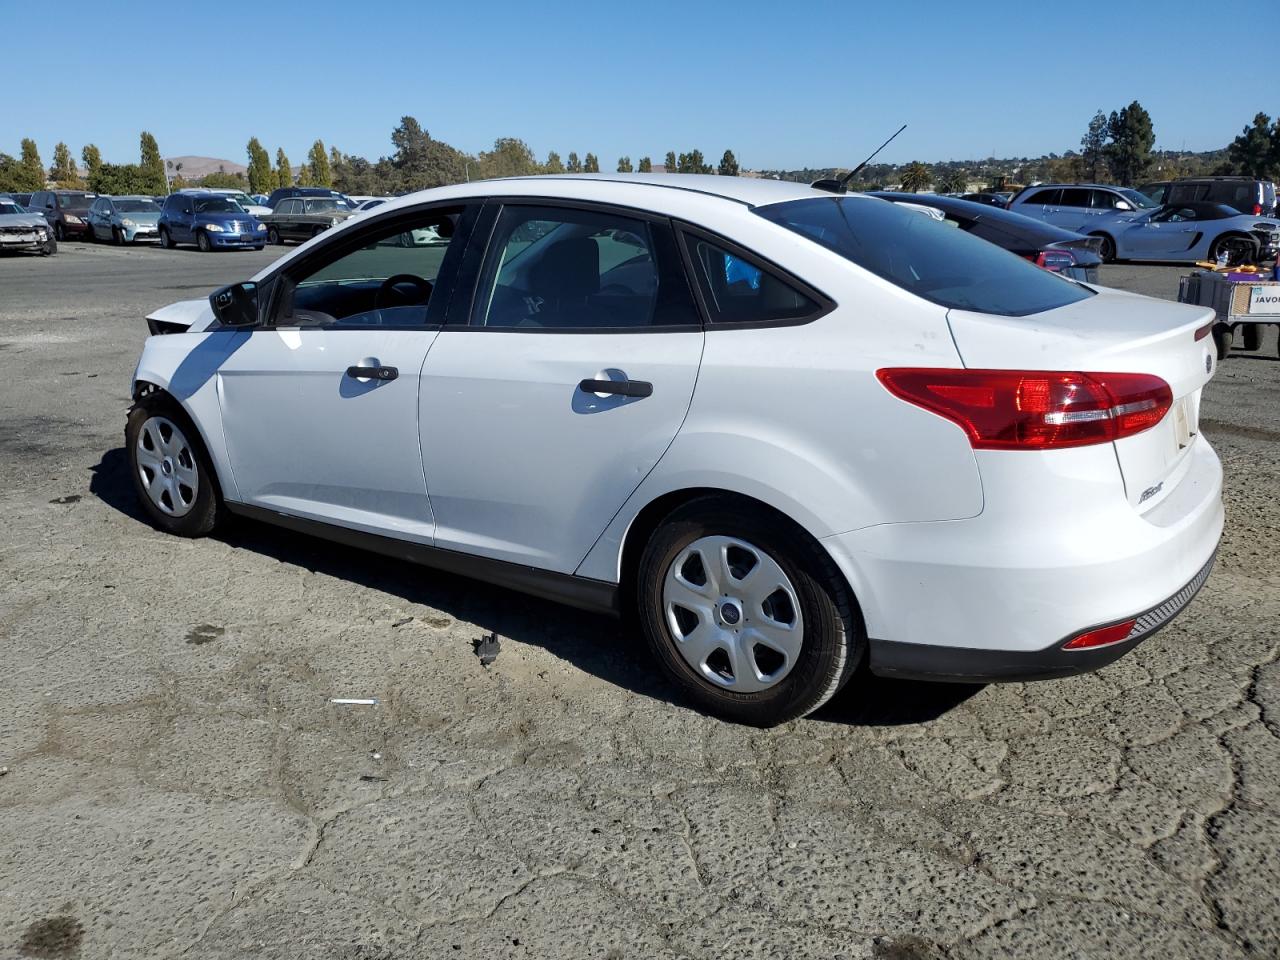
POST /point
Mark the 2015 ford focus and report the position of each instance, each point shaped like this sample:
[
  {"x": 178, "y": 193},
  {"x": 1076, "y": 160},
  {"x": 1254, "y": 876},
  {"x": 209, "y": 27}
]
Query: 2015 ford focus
[{"x": 788, "y": 429}]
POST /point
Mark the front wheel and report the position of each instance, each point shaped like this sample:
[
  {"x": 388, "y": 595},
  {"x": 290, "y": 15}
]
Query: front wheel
[
  {"x": 166, "y": 241},
  {"x": 203, "y": 243},
  {"x": 172, "y": 473},
  {"x": 1237, "y": 248},
  {"x": 273, "y": 237},
  {"x": 50, "y": 248},
  {"x": 59, "y": 232},
  {"x": 747, "y": 612}
]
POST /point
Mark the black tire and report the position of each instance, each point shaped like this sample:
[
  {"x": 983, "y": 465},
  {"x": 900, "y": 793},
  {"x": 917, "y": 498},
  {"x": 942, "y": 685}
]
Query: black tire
[
  {"x": 166, "y": 241},
  {"x": 117, "y": 236},
  {"x": 202, "y": 242},
  {"x": 50, "y": 248},
  {"x": 206, "y": 510},
  {"x": 273, "y": 237},
  {"x": 1239, "y": 248},
  {"x": 1252, "y": 336},
  {"x": 834, "y": 640},
  {"x": 1223, "y": 336},
  {"x": 258, "y": 247},
  {"x": 318, "y": 230},
  {"x": 90, "y": 236},
  {"x": 59, "y": 232},
  {"x": 1108, "y": 249}
]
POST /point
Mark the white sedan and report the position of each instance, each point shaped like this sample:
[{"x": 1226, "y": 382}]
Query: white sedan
[{"x": 789, "y": 430}]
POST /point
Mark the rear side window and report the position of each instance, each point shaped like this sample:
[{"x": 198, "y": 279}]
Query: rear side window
[
  {"x": 738, "y": 290},
  {"x": 933, "y": 260},
  {"x": 1075, "y": 197},
  {"x": 1048, "y": 198},
  {"x": 550, "y": 268}
]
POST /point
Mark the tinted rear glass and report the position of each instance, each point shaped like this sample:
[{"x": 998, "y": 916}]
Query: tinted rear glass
[{"x": 933, "y": 260}]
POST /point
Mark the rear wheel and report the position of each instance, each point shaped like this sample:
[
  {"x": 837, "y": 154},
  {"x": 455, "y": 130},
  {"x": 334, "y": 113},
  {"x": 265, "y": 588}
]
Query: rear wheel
[
  {"x": 746, "y": 612},
  {"x": 1252, "y": 336},
  {"x": 203, "y": 243},
  {"x": 172, "y": 473},
  {"x": 1107, "y": 249},
  {"x": 1223, "y": 336}
]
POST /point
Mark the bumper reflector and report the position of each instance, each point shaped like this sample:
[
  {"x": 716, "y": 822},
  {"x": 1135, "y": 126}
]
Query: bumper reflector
[{"x": 1102, "y": 637}]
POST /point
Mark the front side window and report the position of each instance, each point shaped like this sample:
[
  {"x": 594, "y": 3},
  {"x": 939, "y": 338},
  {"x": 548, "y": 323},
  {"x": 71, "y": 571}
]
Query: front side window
[
  {"x": 929, "y": 259},
  {"x": 387, "y": 283},
  {"x": 736, "y": 290},
  {"x": 287, "y": 207},
  {"x": 553, "y": 268}
]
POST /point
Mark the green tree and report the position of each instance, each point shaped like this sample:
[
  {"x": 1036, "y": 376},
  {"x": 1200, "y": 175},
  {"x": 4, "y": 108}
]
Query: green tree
[
  {"x": 32, "y": 167},
  {"x": 692, "y": 162},
  {"x": 624, "y": 165},
  {"x": 152, "y": 165},
  {"x": 591, "y": 164},
  {"x": 10, "y": 174},
  {"x": 915, "y": 177},
  {"x": 421, "y": 162},
  {"x": 304, "y": 176},
  {"x": 1132, "y": 137},
  {"x": 118, "y": 179},
  {"x": 220, "y": 179},
  {"x": 92, "y": 159},
  {"x": 510, "y": 157},
  {"x": 63, "y": 172},
  {"x": 1253, "y": 153},
  {"x": 951, "y": 179},
  {"x": 1093, "y": 147},
  {"x": 553, "y": 164},
  {"x": 645, "y": 165},
  {"x": 728, "y": 165},
  {"x": 284, "y": 170},
  {"x": 574, "y": 165},
  {"x": 261, "y": 179},
  {"x": 318, "y": 162},
  {"x": 670, "y": 163}
]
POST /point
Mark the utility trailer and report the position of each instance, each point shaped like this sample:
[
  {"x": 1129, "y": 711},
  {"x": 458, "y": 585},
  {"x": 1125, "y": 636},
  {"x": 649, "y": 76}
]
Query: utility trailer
[{"x": 1247, "y": 302}]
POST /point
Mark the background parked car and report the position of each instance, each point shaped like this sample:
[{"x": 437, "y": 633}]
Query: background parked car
[
  {"x": 1073, "y": 206},
  {"x": 21, "y": 199},
  {"x": 301, "y": 218},
  {"x": 124, "y": 219},
  {"x": 1053, "y": 248},
  {"x": 209, "y": 221},
  {"x": 65, "y": 210},
  {"x": 1187, "y": 232},
  {"x": 282, "y": 192},
  {"x": 23, "y": 230},
  {"x": 990, "y": 199},
  {"x": 1157, "y": 190},
  {"x": 1245, "y": 194},
  {"x": 246, "y": 202}
]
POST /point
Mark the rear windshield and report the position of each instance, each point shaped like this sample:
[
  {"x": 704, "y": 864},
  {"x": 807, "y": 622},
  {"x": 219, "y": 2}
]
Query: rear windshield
[{"x": 933, "y": 260}]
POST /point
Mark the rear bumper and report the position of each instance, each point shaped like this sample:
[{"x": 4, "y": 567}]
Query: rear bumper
[
  {"x": 995, "y": 596},
  {"x": 920, "y": 661}
]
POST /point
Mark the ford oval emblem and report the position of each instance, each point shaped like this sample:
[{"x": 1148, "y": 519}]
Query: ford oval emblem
[{"x": 1208, "y": 363}]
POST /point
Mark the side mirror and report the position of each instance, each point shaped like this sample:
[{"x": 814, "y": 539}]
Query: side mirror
[
  {"x": 236, "y": 305},
  {"x": 1123, "y": 205}
]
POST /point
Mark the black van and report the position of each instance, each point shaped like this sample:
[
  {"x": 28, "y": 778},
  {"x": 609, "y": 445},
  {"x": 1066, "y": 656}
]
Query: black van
[{"x": 1253, "y": 197}]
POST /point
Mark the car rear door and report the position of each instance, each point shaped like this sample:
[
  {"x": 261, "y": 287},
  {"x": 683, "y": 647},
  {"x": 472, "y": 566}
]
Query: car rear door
[
  {"x": 550, "y": 395},
  {"x": 320, "y": 404},
  {"x": 1072, "y": 210}
]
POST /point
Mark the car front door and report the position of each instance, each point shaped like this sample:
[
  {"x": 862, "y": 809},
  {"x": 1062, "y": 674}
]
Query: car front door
[
  {"x": 320, "y": 404},
  {"x": 183, "y": 220},
  {"x": 561, "y": 384}
]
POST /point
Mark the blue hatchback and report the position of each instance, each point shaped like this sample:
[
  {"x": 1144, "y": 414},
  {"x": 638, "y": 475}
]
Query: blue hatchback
[{"x": 210, "y": 221}]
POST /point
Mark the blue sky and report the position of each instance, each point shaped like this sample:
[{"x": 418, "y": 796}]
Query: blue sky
[{"x": 773, "y": 81}]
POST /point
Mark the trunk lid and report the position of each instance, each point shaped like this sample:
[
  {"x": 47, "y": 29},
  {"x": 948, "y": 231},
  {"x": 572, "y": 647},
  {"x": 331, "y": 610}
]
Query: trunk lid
[{"x": 1112, "y": 332}]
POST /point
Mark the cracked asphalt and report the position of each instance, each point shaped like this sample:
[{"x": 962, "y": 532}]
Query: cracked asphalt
[{"x": 175, "y": 782}]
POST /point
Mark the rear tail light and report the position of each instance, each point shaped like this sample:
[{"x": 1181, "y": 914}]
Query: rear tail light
[
  {"x": 1202, "y": 332},
  {"x": 1257, "y": 209},
  {"x": 1034, "y": 409},
  {"x": 1102, "y": 637},
  {"x": 1055, "y": 260}
]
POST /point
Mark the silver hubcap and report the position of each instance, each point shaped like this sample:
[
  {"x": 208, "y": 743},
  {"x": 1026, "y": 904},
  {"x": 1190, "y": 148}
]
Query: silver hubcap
[
  {"x": 733, "y": 613},
  {"x": 167, "y": 467}
]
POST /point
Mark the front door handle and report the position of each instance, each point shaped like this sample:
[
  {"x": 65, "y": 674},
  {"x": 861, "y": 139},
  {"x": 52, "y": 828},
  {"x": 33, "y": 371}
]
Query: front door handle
[
  {"x": 373, "y": 373},
  {"x": 619, "y": 388}
]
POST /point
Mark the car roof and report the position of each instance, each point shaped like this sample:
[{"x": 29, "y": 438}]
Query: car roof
[{"x": 752, "y": 191}]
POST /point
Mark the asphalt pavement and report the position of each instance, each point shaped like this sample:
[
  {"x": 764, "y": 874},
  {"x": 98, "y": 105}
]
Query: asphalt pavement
[{"x": 177, "y": 782}]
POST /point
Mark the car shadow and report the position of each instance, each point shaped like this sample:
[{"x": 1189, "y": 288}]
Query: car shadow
[{"x": 603, "y": 646}]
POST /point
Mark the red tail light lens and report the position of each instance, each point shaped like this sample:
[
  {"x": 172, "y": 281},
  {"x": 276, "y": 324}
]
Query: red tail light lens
[
  {"x": 1034, "y": 409},
  {"x": 1102, "y": 637},
  {"x": 1257, "y": 209},
  {"x": 1055, "y": 260}
]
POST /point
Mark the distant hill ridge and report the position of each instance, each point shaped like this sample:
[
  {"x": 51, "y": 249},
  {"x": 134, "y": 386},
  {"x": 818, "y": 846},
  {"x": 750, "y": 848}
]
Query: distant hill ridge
[{"x": 193, "y": 168}]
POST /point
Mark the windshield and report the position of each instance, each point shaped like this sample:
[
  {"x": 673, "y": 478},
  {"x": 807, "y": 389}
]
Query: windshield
[
  {"x": 75, "y": 200},
  {"x": 1139, "y": 200},
  {"x": 7, "y": 207},
  {"x": 217, "y": 205},
  {"x": 137, "y": 206},
  {"x": 930, "y": 259}
]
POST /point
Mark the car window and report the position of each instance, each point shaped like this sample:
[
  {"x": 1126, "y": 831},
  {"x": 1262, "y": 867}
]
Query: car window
[
  {"x": 931, "y": 260},
  {"x": 572, "y": 269},
  {"x": 1106, "y": 200},
  {"x": 1074, "y": 197},
  {"x": 323, "y": 204},
  {"x": 287, "y": 207},
  {"x": 1047, "y": 197},
  {"x": 1175, "y": 215},
  {"x": 736, "y": 290},
  {"x": 388, "y": 283}
]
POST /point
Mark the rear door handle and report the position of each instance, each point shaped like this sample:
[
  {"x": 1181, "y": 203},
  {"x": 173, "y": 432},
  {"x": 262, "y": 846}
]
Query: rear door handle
[
  {"x": 619, "y": 388},
  {"x": 373, "y": 373}
]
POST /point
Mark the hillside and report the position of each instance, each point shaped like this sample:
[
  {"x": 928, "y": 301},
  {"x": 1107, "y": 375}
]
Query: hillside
[{"x": 193, "y": 168}]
